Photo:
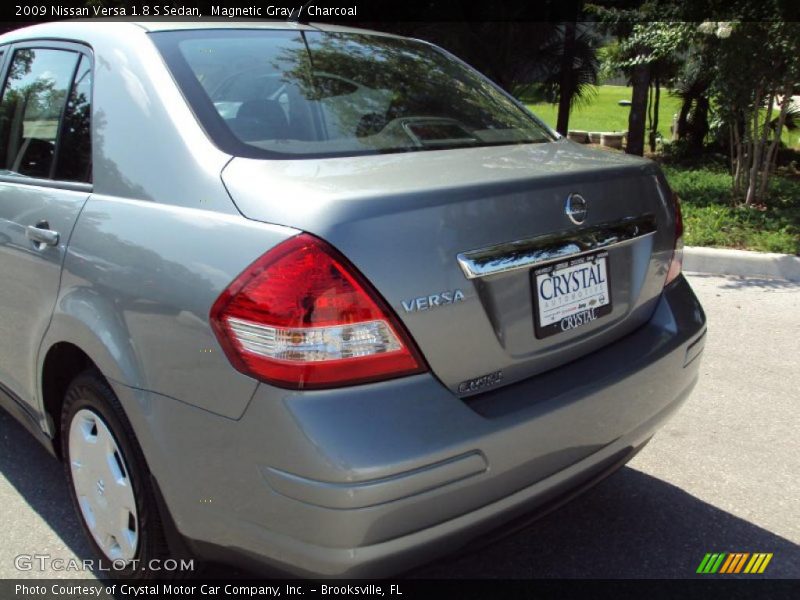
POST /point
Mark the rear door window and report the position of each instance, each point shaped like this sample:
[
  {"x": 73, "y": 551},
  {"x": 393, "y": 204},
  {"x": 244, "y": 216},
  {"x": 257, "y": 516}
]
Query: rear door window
[{"x": 44, "y": 115}]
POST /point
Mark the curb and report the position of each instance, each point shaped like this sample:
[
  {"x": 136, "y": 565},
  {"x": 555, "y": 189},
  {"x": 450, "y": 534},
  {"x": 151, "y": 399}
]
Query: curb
[{"x": 742, "y": 263}]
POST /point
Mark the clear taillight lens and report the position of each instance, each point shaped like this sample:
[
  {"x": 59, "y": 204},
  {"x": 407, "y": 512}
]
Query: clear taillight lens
[
  {"x": 302, "y": 316},
  {"x": 676, "y": 264}
]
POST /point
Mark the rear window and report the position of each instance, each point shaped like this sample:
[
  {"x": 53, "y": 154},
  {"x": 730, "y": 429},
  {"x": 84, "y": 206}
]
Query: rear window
[{"x": 281, "y": 93}]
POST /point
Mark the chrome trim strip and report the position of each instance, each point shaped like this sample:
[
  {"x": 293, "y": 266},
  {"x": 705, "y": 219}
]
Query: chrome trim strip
[{"x": 524, "y": 254}]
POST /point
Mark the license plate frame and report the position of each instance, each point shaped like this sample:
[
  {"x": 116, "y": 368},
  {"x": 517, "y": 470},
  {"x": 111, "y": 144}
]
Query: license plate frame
[{"x": 588, "y": 301}]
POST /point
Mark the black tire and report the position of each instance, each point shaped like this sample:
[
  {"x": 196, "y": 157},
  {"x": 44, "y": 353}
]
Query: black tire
[{"x": 89, "y": 390}]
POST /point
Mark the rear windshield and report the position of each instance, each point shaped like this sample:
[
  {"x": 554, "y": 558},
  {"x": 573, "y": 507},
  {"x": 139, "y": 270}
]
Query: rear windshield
[{"x": 278, "y": 93}]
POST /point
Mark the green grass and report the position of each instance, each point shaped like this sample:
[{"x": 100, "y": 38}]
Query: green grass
[
  {"x": 711, "y": 219},
  {"x": 602, "y": 113}
]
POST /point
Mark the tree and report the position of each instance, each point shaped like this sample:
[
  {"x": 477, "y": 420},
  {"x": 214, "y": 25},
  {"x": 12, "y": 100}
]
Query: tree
[
  {"x": 640, "y": 81},
  {"x": 566, "y": 84},
  {"x": 552, "y": 60},
  {"x": 691, "y": 85},
  {"x": 757, "y": 69},
  {"x": 648, "y": 43},
  {"x": 650, "y": 52},
  {"x": 512, "y": 54},
  {"x": 573, "y": 72}
]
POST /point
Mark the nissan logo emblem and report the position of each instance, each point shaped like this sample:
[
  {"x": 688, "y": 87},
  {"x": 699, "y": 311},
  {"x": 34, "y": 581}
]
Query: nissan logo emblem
[{"x": 576, "y": 208}]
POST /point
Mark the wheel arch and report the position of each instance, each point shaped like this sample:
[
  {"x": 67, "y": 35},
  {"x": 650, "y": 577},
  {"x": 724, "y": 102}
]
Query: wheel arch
[{"x": 84, "y": 333}]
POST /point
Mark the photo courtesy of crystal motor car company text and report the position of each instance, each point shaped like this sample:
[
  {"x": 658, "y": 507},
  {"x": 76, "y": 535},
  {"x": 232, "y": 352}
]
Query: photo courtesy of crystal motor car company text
[{"x": 297, "y": 296}]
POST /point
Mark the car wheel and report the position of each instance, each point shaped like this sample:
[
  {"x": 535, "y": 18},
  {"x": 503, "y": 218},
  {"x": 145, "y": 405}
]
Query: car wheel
[{"x": 108, "y": 480}]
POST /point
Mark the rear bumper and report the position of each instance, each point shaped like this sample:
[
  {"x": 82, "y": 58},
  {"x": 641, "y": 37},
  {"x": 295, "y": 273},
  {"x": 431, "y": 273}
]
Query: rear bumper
[{"x": 377, "y": 479}]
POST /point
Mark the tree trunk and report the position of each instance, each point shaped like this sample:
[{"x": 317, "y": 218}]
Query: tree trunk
[
  {"x": 737, "y": 175},
  {"x": 759, "y": 141},
  {"x": 683, "y": 118},
  {"x": 649, "y": 128},
  {"x": 739, "y": 160},
  {"x": 731, "y": 151},
  {"x": 699, "y": 128},
  {"x": 654, "y": 120},
  {"x": 566, "y": 88},
  {"x": 769, "y": 160},
  {"x": 747, "y": 151},
  {"x": 640, "y": 79}
]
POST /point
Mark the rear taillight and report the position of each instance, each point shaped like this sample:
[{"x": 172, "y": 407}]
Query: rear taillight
[
  {"x": 302, "y": 316},
  {"x": 676, "y": 263}
]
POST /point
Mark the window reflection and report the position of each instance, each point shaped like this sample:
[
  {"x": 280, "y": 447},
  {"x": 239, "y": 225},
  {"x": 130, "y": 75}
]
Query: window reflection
[
  {"x": 33, "y": 101},
  {"x": 317, "y": 93}
]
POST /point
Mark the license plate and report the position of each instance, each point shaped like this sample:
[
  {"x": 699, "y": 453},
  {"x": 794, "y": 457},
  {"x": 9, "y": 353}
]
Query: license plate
[{"x": 570, "y": 294}]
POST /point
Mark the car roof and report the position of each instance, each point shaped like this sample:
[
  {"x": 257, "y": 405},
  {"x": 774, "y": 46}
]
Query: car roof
[
  {"x": 63, "y": 29},
  {"x": 169, "y": 25}
]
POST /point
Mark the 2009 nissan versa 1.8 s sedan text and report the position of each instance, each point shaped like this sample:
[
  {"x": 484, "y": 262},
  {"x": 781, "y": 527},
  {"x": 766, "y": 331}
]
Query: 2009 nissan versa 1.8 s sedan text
[{"x": 317, "y": 298}]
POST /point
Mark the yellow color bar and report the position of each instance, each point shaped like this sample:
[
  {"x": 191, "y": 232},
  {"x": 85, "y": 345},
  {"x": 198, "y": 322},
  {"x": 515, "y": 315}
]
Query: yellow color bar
[
  {"x": 749, "y": 567},
  {"x": 756, "y": 563},
  {"x": 765, "y": 563}
]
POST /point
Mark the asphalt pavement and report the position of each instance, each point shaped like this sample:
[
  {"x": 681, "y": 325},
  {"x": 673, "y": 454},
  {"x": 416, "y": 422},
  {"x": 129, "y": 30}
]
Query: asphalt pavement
[{"x": 721, "y": 476}]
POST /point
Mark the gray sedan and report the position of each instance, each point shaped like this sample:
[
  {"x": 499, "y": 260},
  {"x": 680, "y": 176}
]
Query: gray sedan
[{"x": 319, "y": 299}]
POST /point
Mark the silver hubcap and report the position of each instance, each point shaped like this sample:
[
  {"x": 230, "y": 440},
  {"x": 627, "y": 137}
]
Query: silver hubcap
[{"x": 103, "y": 486}]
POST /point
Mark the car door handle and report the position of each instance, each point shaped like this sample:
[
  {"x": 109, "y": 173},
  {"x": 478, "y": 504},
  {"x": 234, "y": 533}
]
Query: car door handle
[{"x": 42, "y": 234}]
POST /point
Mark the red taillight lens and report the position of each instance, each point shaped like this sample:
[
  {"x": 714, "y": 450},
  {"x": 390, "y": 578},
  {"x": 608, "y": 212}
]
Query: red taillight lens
[
  {"x": 676, "y": 263},
  {"x": 302, "y": 316}
]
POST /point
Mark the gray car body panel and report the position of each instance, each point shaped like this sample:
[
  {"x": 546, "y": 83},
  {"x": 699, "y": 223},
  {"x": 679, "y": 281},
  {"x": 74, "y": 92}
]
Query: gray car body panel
[
  {"x": 403, "y": 218},
  {"x": 31, "y": 275},
  {"x": 121, "y": 265},
  {"x": 154, "y": 287},
  {"x": 370, "y": 479}
]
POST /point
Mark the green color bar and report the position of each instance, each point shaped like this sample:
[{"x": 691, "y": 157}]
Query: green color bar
[
  {"x": 717, "y": 564},
  {"x": 711, "y": 562},
  {"x": 702, "y": 567}
]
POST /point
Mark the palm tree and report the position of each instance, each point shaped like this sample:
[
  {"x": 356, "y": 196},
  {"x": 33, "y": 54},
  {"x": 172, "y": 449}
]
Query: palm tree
[
  {"x": 574, "y": 81},
  {"x": 552, "y": 61},
  {"x": 692, "y": 87}
]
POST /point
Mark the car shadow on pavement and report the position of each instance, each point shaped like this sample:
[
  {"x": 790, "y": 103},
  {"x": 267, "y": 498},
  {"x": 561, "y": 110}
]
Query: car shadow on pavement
[
  {"x": 39, "y": 480},
  {"x": 631, "y": 525}
]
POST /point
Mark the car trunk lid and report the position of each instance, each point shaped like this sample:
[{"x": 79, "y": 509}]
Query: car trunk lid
[{"x": 457, "y": 242}]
